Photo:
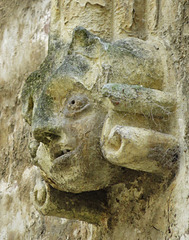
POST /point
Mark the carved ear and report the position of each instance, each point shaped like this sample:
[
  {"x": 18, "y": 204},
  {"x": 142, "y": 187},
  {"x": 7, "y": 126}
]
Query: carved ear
[{"x": 86, "y": 44}]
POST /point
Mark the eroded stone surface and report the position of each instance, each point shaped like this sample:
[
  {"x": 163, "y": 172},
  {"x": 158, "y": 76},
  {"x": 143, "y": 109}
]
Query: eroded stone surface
[
  {"x": 66, "y": 106},
  {"x": 140, "y": 209}
]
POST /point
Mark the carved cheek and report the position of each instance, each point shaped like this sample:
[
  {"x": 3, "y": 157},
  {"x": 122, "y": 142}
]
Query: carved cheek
[
  {"x": 86, "y": 129},
  {"x": 80, "y": 128}
]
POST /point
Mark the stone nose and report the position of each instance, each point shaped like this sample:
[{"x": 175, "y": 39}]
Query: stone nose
[
  {"x": 46, "y": 135},
  {"x": 52, "y": 129}
]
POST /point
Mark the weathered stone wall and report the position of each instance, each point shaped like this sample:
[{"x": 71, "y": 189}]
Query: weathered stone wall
[{"x": 140, "y": 210}]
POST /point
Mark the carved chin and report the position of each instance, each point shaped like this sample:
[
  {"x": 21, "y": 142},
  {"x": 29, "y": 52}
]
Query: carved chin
[{"x": 74, "y": 180}]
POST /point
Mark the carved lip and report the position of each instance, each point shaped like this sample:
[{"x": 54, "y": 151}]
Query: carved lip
[
  {"x": 63, "y": 161},
  {"x": 62, "y": 155}
]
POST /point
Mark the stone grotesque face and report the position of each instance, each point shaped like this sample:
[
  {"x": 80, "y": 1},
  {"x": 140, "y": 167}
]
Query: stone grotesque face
[
  {"x": 96, "y": 110},
  {"x": 67, "y": 123},
  {"x": 67, "y": 119}
]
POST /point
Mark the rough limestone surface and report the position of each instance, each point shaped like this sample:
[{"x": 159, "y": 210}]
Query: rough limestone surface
[{"x": 146, "y": 206}]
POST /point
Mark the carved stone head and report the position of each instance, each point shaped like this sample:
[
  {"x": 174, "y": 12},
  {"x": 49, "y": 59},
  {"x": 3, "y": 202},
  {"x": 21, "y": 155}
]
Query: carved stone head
[
  {"x": 90, "y": 106},
  {"x": 67, "y": 117},
  {"x": 67, "y": 123}
]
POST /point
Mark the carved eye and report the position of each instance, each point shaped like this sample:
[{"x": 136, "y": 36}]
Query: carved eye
[{"x": 77, "y": 104}]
